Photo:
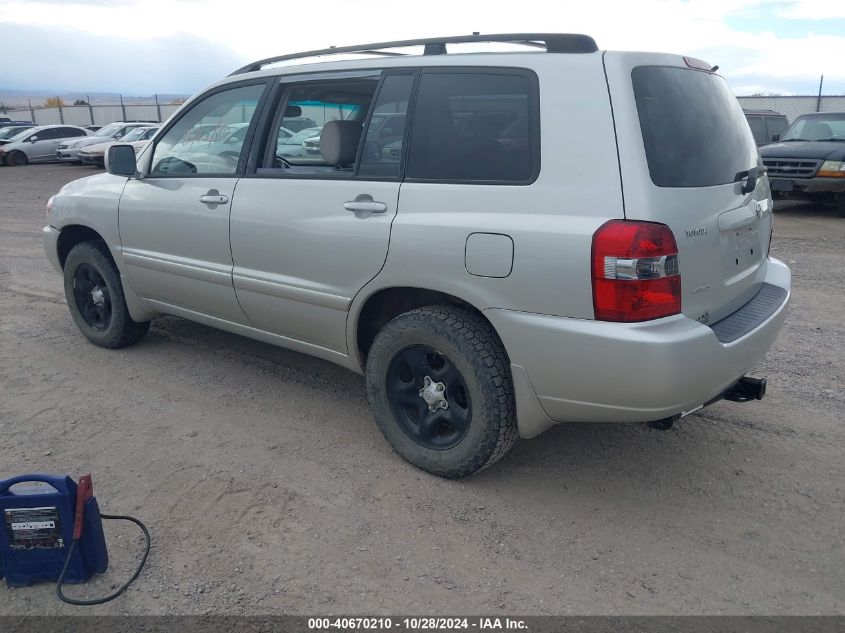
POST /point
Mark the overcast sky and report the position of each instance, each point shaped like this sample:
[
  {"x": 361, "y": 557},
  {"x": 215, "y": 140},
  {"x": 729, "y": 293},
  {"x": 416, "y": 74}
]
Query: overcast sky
[{"x": 139, "y": 47}]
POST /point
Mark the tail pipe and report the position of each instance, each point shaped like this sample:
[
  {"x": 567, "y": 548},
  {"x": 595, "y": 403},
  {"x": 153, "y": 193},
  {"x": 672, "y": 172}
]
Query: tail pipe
[{"x": 745, "y": 389}]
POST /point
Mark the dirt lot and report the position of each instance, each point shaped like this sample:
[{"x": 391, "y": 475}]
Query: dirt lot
[{"x": 268, "y": 488}]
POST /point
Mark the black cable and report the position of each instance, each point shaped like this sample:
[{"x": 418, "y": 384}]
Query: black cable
[{"x": 110, "y": 597}]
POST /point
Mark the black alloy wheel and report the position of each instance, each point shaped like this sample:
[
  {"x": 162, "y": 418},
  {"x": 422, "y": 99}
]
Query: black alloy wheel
[
  {"x": 429, "y": 397},
  {"x": 92, "y": 297}
]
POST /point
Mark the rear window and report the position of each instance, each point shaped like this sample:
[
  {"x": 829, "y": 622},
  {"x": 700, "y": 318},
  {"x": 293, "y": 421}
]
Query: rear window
[{"x": 694, "y": 131}]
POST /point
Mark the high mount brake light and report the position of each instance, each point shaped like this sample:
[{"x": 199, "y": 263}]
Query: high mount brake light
[{"x": 635, "y": 272}]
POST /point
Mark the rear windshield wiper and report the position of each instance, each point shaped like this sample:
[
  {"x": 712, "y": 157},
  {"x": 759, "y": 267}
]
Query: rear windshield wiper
[
  {"x": 787, "y": 140},
  {"x": 750, "y": 177},
  {"x": 832, "y": 139}
]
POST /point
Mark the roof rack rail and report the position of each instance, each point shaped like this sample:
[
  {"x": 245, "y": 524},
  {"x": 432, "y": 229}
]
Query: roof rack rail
[{"x": 552, "y": 42}]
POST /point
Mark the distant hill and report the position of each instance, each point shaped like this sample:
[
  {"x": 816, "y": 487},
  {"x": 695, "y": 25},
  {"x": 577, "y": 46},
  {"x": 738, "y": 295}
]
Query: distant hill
[{"x": 21, "y": 98}]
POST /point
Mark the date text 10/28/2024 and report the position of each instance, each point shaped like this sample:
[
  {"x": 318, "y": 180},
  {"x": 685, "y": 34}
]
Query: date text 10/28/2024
[{"x": 416, "y": 624}]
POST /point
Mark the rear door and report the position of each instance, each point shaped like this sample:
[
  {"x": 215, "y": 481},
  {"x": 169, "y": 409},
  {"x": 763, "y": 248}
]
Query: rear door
[
  {"x": 307, "y": 234},
  {"x": 684, "y": 147}
]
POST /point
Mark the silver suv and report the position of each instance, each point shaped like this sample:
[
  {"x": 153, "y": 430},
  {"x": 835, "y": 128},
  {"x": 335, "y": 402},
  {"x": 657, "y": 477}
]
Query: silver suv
[{"x": 555, "y": 235}]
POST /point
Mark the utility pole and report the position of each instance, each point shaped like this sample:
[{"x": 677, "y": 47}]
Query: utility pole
[
  {"x": 31, "y": 111},
  {"x": 59, "y": 105},
  {"x": 90, "y": 108},
  {"x": 158, "y": 108},
  {"x": 122, "y": 108},
  {"x": 819, "y": 98}
]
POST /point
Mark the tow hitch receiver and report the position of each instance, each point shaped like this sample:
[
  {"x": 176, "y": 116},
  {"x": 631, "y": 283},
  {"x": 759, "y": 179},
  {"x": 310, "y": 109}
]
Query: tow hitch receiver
[{"x": 743, "y": 390}]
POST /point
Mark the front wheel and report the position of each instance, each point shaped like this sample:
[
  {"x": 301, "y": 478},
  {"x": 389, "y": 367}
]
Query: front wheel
[
  {"x": 439, "y": 383},
  {"x": 17, "y": 159},
  {"x": 95, "y": 297}
]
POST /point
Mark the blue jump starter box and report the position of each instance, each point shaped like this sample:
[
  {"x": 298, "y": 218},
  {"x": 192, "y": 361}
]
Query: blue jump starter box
[{"x": 39, "y": 520}]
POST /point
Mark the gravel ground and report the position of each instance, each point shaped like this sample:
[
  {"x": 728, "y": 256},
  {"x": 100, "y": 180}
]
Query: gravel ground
[{"x": 268, "y": 488}]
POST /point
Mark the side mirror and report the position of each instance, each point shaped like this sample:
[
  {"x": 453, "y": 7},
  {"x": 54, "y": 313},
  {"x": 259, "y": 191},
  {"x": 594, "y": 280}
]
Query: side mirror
[
  {"x": 292, "y": 111},
  {"x": 120, "y": 160},
  {"x": 775, "y": 138},
  {"x": 32, "y": 139}
]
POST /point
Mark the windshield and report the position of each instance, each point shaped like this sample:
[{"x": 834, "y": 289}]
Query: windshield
[
  {"x": 693, "y": 128},
  {"x": 9, "y": 132},
  {"x": 134, "y": 135},
  {"x": 108, "y": 130},
  {"x": 816, "y": 128},
  {"x": 22, "y": 135}
]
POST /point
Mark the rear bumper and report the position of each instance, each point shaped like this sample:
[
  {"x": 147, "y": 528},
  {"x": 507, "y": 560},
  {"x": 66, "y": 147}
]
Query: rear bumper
[{"x": 593, "y": 371}]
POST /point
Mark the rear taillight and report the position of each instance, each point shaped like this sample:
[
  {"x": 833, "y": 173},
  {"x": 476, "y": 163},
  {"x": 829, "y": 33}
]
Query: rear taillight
[{"x": 635, "y": 272}]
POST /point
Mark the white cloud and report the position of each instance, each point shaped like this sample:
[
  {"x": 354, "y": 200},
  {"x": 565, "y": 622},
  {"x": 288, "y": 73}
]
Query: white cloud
[{"x": 254, "y": 29}]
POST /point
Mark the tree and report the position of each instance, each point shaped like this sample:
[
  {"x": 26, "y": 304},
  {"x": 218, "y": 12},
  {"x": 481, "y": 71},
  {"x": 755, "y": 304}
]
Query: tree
[
  {"x": 54, "y": 102},
  {"x": 177, "y": 101},
  {"x": 3, "y": 107},
  {"x": 80, "y": 102}
]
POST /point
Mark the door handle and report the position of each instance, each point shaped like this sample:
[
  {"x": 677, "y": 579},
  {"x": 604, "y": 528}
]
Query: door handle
[
  {"x": 364, "y": 206},
  {"x": 213, "y": 198}
]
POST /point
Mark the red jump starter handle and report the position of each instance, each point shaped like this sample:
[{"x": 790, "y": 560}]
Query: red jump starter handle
[{"x": 84, "y": 491}]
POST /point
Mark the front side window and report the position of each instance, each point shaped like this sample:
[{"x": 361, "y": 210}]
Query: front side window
[
  {"x": 71, "y": 132},
  {"x": 209, "y": 137},
  {"x": 473, "y": 126},
  {"x": 47, "y": 135},
  {"x": 318, "y": 129}
]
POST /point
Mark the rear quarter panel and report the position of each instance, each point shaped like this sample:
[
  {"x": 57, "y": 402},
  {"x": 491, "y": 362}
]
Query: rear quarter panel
[{"x": 550, "y": 221}]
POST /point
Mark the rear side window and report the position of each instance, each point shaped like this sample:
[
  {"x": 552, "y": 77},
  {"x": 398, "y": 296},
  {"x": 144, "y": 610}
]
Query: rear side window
[
  {"x": 777, "y": 125},
  {"x": 475, "y": 127},
  {"x": 693, "y": 129},
  {"x": 758, "y": 129}
]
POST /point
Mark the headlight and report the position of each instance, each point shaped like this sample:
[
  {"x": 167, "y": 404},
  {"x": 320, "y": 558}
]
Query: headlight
[
  {"x": 50, "y": 205},
  {"x": 832, "y": 169}
]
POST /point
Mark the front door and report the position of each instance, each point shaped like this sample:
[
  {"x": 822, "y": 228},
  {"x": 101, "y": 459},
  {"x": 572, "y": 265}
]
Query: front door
[
  {"x": 174, "y": 221},
  {"x": 311, "y": 227},
  {"x": 45, "y": 144}
]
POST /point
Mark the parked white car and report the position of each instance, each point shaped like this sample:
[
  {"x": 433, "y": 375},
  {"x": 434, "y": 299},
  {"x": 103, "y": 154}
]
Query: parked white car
[
  {"x": 38, "y": 144},
  {"x": 137, "y": 138},
  {"x": 69, "y": 152}
]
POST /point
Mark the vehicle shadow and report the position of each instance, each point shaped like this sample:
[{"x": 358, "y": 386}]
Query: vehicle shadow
[
  {"x": 570, "y": 455},
  {"x": 805, "y": 208}
]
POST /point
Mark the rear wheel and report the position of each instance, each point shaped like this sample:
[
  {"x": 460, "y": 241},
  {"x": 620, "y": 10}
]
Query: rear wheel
[
  {"x": 439, "y": 383},
  {"x": 16, "y": 159},
  {"x": 95, "y": 297}
]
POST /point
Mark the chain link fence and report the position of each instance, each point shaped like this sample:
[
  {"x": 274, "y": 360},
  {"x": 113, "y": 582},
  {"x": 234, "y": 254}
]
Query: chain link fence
[
  {"x": 793, "y": 107},
  {"x": 97, "y": 114}
]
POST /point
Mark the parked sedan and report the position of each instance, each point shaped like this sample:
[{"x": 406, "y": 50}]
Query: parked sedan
[
  {"x": 37, "y": 144},
  {"x": 137, "y": 138},
  {"x": 69, "y": 152}
]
